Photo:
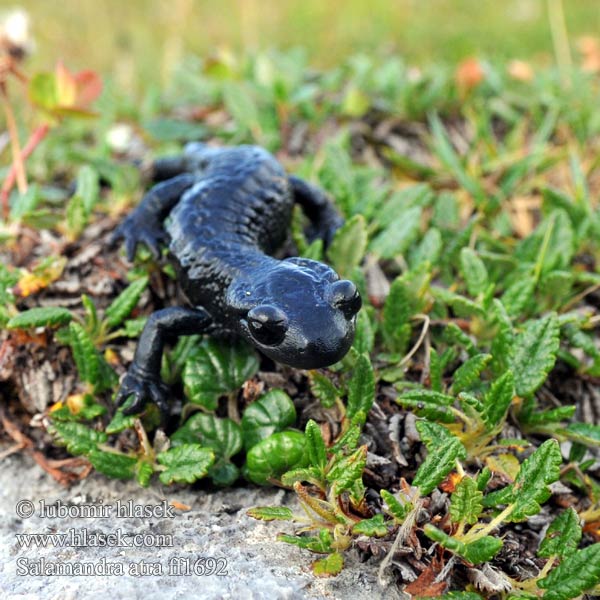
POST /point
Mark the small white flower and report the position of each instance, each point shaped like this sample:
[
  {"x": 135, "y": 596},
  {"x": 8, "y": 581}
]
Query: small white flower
[
  {"x": 15, "y": 33},
  {"x": 119, "y": 137}
]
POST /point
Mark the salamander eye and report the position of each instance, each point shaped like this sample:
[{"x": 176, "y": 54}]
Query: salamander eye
[
  {"x": 344, "y": 295},
  {"x": 268, "y": 324}
]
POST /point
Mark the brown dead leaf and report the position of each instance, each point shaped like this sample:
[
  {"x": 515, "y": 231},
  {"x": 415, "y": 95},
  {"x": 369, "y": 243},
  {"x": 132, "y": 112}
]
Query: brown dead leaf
[{"x": 425, "y": 586}]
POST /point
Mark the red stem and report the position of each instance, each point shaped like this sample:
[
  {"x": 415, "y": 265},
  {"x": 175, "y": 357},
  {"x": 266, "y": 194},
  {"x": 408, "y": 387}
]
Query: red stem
[{"x": 34, "y": 140}]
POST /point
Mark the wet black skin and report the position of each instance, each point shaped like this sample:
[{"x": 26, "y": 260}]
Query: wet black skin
[{"x": 223, "y": 212}]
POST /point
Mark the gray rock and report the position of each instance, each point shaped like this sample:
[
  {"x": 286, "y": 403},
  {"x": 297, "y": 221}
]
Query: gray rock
[{"x": 215, "y": 526}]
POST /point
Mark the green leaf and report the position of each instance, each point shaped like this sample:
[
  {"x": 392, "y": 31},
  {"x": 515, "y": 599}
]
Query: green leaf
[
  {"x": 473, "y": 271},
  {"x": 345, "y": 471},
  {"x": 364, "y": 337},
  {"x": 535, "y": 353},
  {"x": 88, "y": 187},
  {"x": 479, "y": 551},
  {"x": 271, "y": 513},
  {"x": 78, "y": 408},
  {"x": 399, "y": 234},
  {"x": 534, "y": 416},
  {"x": 530, "y": 488},
  {"x": 482, "y": 550},
  {"x": 373, "y": 527},
  {"x": 309, "y": 474},
  {"x": 465, "y": 504},
  {"x": 503, "y": 343},
  {"x": 586, "y": 433},
  {"x": 217, "y": 368},
  {"x": 432, "y": 434},
  {"x": 399, "y": 510},
  {"x": 120, "y": 421},
  {"x": 468, "y": 373},
  {"x": 144, "y": 472},
  {"x": 575, "y": 575},
  {"x": 518, "y": 295},
  {"x": 563, "y": 536},
  {"x": 462, "y": 307},
  {"x": 117, "y": 466},
  {"x": 223, "y": 436},
  {"x": 315, "y": 446},
  {"x": 85, "y": 354},
  {"x": 78, "y": 438},
  {"x": 348, "y": 441},
  {"x": 428, "y": 250},
  {"x": 125, "y": 302},
  {"x": 439, "y": 462},
  {"x": 268, "y": 460},
  {"x": 174, "y": 130},
  {"x": 429, "y": 404},
  {"x": 323, "y": 389},
  {"x": 320, "y": 544},
  {"x": 42, "y": 90},
  {"x": 361, "y": 387},
  {"x": 45, "y": 316},
  {"x": 396, "y": 317},
  {"x": 497, "y": 400},
  {"x": 271, "y": 413},
  {"x": 240, "y": 104},
  {"x": 453, "y": 334},
  {"x": 185, "y": 464},
  {"x": 329, "y": 566},
  {"x": 348, "y": 246},
  {"x": 76, "y": 217}
]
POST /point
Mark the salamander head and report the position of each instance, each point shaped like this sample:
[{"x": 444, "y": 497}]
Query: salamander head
[{"x": 298, "y": 312}]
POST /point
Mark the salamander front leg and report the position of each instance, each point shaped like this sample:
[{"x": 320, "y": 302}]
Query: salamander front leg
[
  {"x": 144, "y": 224},
  {"x": 324, "y": 218},
  {"x": 142, "y": 380}
]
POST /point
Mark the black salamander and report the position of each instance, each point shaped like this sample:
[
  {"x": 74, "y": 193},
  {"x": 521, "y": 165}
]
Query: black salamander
[{"x": 223, "y": 212}]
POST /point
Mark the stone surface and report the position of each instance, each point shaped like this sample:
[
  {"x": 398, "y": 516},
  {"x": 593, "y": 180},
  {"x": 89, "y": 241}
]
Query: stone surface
[{"x": 215, "y": 526}]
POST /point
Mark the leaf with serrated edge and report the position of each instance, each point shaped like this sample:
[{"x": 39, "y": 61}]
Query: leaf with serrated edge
[
  {"x": 465, "y": 503},
  {"x": 373, "y": 527},
  {"x": 323, "y": 389},
  {"x": 361, "y": 387},
  {"x": 576, "y": 574},
  {"x": 186, "y": 463},
  {"x": 125, "y": 302},
  {"x": 497, "y": 400},
  {"x": 530, "y": 488},
  {"x": 399, "y": 510},
  {"x": 439, "y": 462},
  {"x": 329, "y": 566},
  {"x": 535, "y": 353},
  {"x": 432, "y": 434},
  {"x": 78, "y": 438},
  {"x": 45, "y": 316},
  {"x": 315, "y": 446},
  {"x": 468, "y": 373},
  {"x": 345, "y": 471},
  {"x": 117, "y": 466},
  {"x": 563, "y": 536},
  {"x": 271, "y": 513},
  {"x": 474, "y": 272},
  {"x": 348, "y": 246}
]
